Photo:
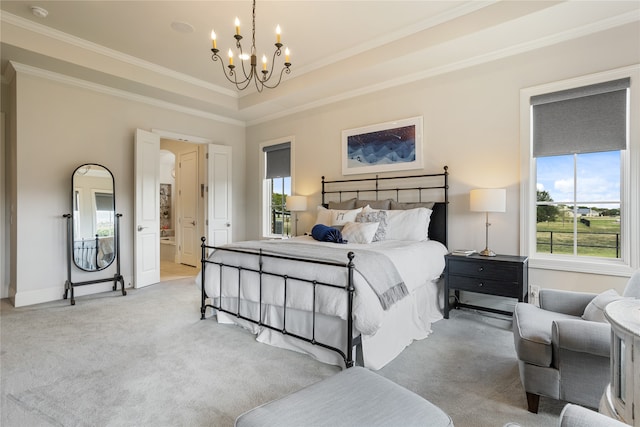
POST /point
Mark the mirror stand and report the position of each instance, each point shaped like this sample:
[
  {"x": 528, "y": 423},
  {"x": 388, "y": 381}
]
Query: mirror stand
[{"x": 69, "y": 285}]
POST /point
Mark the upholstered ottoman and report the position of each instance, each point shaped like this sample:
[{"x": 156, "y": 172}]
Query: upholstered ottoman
[{"x": 353, "y": 397}]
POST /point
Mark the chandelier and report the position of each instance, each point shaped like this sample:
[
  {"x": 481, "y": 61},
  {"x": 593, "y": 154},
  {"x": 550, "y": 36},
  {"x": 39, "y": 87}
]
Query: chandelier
[{"x": 261, "y": 81}]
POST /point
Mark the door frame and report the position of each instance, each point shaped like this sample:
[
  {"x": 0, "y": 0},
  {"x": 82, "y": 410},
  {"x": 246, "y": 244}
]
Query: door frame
[{"x": 204, "y": 142}]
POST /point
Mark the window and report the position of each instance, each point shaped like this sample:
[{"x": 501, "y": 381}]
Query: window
[
  {"x": 579, "y": 210},
  {"x": 276, "y": 188},
  {"x": 105, "y": 214}
]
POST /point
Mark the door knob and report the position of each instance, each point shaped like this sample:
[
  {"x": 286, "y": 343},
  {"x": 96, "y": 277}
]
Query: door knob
[
  {"x": 228, "y": 224},
  {"x": 140, "y": 228},
  {"x": 193, "y": 223}
]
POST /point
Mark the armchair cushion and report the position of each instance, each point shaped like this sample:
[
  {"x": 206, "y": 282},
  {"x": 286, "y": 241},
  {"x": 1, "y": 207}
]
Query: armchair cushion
[
  {"x": 532, "y": 329},
  {"x": 595, "y": 309}
]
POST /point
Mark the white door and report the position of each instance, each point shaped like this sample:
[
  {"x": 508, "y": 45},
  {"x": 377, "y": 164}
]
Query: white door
[
  {"x": 147, "y": 213},
  {"x": 219, "y": 207},
  {"x": 189, "y": 245}
]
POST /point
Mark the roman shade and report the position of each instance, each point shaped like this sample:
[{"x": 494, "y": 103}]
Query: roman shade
[
  {"x": 586, "y": 119},
  {"x": 104, "y": 202},
  {"x": 278, "y": 160}
]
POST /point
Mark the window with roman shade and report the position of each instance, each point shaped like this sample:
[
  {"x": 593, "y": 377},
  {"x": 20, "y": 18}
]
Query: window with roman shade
[
  {"x": 578, "y": 145},
  {"x": 276, "y": 188}
]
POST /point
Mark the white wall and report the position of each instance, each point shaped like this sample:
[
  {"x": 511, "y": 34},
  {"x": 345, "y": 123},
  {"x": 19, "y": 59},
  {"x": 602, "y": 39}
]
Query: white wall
[
  {"x": 60, "y": 126},
  {"x": 471, "y": 124}
]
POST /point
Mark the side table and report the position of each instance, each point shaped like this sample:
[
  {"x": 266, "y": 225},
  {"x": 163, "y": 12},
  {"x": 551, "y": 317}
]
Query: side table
[{"x": 501, "y": 275}]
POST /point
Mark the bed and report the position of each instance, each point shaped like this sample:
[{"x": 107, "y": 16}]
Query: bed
[{"x": 361, "y": 301}]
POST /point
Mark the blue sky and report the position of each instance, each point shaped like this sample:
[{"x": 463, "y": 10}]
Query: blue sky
[{"x": 598, "y": 178}]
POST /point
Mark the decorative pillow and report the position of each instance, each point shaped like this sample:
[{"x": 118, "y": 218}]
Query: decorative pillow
[
  {"x": 595, "y": 309},
  {"x": 377, "y": 216},
  {"x": 341, "y": 217},
  {"x": 404, "y": 206},
  {"x": 335, "y": 217},
  {"x": 412, "y": 224},
  {"x": 345, "y": 204},
  {"x": 374, "y": 204},
  {"x": 359, "y": 232},
  {"x": 323, "y": 215}
]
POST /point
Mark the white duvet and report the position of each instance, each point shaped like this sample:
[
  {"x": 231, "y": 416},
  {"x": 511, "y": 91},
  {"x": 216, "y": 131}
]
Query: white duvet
[{"x": 418, "y": 263}]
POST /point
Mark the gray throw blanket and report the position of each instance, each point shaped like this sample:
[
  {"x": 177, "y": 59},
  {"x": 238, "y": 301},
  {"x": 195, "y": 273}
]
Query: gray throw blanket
[{"x": 376, "y": 268}]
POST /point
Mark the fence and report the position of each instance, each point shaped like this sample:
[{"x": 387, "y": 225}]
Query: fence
[{"x": 599, "y": 244}]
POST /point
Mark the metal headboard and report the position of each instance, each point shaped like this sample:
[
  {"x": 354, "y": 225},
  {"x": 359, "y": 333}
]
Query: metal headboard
[{"x": 397, "y": 185}]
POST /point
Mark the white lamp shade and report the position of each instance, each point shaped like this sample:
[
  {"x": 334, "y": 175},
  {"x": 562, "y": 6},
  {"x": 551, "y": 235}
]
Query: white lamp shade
[
  {"x": 488, "y": 200},
  {"x": 296, "y": 203}
]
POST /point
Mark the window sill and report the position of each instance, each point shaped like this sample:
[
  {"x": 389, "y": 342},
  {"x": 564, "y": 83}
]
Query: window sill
[{"x": 592, "y": 266}]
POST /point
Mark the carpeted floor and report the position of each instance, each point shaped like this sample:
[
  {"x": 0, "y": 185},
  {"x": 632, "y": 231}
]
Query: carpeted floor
[{"x": 146, "y": 359}]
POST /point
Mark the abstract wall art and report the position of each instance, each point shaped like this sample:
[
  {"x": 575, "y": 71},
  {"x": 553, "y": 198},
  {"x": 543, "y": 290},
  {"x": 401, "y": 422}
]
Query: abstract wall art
[{"x": 385, "y": 147}]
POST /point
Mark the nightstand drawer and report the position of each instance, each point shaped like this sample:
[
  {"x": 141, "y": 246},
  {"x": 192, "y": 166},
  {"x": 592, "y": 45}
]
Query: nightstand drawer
[
  {"x": 486, "y": 286},
  {"x": 502, "y": 271}
]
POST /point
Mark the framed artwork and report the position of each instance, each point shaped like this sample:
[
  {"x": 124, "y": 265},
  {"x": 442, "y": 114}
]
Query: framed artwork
[{"x": 385, "y": 147}]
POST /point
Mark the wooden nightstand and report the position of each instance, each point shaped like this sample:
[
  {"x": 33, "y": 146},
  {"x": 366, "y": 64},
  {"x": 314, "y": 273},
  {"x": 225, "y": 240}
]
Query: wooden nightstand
[{"x": 501, "y": 275}]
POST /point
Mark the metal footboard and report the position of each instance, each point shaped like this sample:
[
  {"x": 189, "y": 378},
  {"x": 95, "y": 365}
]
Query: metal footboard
[{"x": 345, "y": 353}]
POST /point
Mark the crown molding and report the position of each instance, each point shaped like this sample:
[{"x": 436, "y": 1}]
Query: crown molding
[
  {"x": 584, "y": 30},
  {"x": 110, "y": 53},
  {"x": 72, "y": 81}
]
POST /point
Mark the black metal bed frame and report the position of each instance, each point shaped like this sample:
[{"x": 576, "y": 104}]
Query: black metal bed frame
[{"x": 437, "y": 231}]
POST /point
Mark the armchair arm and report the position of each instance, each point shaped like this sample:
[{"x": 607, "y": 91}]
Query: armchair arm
[
  {"x": 567, "y": 302},
  {"x": 581, "y": 336},
  {"x": 577, "y": 416}
]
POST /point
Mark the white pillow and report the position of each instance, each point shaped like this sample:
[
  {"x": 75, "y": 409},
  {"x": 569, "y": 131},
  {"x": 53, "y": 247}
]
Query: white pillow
[
  {"x": 341, "y": 217},
  {"x": 359, "y": 232},
  {"x": 594, "y": 311},
  {"x": 323, "y": 216},
  {"x": 335, "y": 217},
  {"x": 410, "y": 224}
]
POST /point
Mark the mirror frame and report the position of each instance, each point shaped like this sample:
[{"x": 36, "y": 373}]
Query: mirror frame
[{"x": 74, "y": 219}]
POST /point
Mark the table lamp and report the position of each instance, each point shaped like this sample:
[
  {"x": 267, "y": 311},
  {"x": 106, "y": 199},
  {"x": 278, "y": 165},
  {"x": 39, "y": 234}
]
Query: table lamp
[
  {"x": 296, "y": 204},
  {"x": 488, "y": 200}
]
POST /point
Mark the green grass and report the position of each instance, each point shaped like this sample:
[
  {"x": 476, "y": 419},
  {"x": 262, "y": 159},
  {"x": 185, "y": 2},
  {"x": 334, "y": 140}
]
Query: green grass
[{"x": 597, "y": 240}]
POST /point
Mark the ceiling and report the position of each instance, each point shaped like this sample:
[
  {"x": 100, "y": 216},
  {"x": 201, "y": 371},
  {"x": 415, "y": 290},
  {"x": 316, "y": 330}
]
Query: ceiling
[{"x": 339, "y": 49}]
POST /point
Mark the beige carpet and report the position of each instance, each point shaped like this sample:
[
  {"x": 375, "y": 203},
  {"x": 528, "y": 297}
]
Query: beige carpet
[{"x": 146, "y": 359}]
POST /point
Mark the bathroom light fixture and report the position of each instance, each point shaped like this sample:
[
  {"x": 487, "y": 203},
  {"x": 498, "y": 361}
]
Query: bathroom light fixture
[
  {"x": 263, "y": 81},
  {"x": 488, "y": 200}
]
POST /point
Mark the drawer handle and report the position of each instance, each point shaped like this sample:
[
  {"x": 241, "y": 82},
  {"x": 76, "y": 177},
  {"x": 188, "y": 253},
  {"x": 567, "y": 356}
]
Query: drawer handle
[
  {"x": 480, "y": 268},
  {"x": 480, "y": 284}
]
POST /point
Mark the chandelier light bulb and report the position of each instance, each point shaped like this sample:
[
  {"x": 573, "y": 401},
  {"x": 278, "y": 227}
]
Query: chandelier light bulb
[
  {"x": 287, "y": 53},
  {"x": 213, "y": 39},
  {"x": 278, "y": 34},
  {"x": 237, "y": 26},
  {"x": 230, "y": 57}
]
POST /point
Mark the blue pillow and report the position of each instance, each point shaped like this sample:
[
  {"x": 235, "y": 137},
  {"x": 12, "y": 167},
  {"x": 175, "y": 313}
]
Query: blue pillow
[{"x": 325, "y": 233}]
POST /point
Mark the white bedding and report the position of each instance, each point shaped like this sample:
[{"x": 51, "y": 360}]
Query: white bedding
[{"x": 419, "y": 264}]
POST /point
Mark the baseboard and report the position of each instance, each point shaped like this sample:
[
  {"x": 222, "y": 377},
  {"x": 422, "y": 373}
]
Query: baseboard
[{"x": 39, "y": 296}]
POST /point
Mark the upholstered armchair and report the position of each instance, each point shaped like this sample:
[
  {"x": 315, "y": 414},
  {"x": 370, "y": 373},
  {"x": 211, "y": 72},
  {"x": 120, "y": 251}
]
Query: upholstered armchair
[
  {"x": 577, "y": 416},
  {"x": 563, "y": 346}
]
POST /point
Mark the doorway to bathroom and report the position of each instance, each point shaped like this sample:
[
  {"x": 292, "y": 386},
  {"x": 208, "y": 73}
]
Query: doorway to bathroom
[{"x": 179, "y": 208}]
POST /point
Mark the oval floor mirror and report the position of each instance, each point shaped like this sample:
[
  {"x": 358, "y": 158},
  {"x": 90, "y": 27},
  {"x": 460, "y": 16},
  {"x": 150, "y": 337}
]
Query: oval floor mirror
[{"x": 93, "y": 226}]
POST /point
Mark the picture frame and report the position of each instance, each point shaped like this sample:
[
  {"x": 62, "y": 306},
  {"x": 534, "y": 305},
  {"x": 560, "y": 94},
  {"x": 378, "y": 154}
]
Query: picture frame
[{"x": 384, "y": 147}]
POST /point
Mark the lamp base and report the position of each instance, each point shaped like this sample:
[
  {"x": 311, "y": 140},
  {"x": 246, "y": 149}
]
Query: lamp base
[{"x": 487, "y": 252}]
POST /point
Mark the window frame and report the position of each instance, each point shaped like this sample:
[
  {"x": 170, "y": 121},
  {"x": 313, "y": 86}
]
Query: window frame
[
  {"x": 630, "y": 173},
  {"x": 265, "y": 231}
]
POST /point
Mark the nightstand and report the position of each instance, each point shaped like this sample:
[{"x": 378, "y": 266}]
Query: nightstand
[{"x": 501, "y": 275}]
